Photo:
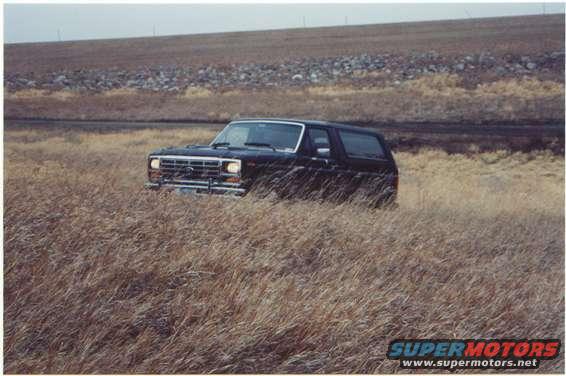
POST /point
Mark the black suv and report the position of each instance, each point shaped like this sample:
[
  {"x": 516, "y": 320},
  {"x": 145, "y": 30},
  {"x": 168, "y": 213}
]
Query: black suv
[{"x": 290, "y": 157}]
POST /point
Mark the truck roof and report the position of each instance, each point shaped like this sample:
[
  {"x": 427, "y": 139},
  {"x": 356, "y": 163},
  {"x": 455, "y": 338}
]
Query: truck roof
[{"x": 315, "y": 123}]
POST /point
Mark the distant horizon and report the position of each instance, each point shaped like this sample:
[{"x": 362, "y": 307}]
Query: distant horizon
[{"x": 40, "y": 23}]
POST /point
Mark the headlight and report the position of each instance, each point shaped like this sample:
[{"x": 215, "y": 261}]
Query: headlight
[
  {"x": 233, "y": 167},
  {"x": 154, "y": 164}
]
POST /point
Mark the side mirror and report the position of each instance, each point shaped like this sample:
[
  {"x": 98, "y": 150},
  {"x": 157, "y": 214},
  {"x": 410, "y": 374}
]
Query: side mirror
[{"x": 323, "y": 151}]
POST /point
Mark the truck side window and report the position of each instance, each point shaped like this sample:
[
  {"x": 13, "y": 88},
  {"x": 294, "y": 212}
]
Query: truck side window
[
  {"x": 320, "y": 142},
  {"x": 361, "y": 145}
]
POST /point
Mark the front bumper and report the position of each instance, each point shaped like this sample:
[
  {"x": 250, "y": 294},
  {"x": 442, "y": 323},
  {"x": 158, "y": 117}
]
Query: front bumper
[{"x": 205, "y": 187}]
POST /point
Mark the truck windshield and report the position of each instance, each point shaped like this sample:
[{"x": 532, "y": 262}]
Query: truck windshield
[{"x": 275, "y": 136}]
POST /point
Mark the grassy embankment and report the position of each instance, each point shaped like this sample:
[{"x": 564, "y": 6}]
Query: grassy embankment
[{"x": 438, "y": 98}]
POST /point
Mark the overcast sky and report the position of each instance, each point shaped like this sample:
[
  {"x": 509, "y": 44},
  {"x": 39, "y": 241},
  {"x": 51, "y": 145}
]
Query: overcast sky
[{"x": 41, "y": 22}]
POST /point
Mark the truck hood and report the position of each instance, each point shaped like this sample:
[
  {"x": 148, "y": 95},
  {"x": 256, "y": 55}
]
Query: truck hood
[{"x": 221, "y": 152}]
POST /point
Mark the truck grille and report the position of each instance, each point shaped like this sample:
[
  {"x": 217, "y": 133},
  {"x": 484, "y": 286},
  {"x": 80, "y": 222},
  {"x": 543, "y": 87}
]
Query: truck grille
[{"x": 189, "y": 168}]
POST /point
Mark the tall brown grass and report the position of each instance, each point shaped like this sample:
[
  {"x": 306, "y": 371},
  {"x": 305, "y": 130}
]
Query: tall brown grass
[
  {"x": 31, "y": 94},
  {"x": 101, "y": 276}
]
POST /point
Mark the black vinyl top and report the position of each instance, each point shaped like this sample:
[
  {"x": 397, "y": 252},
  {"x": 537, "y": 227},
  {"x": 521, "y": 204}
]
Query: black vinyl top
[{"x": 319, "y": 123}]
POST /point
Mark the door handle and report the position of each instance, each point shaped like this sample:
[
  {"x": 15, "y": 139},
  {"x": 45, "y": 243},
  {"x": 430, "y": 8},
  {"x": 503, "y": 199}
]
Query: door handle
[
  {"x": 330, "y": 163},
  {"x": 319, "y": 159},
  {"x": 327, "y": 162}
]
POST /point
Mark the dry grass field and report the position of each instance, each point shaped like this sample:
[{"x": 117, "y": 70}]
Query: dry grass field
[{"x": 101, "y": 276}]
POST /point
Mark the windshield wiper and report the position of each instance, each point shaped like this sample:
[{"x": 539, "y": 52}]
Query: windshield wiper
[
  {"x": 260, "y": 144},
  {"x": 217, "y": 144}
]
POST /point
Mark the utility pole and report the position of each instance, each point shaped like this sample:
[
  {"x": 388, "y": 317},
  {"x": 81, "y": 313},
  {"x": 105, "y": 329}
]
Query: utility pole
[
  {"x": 304, "y": 22},
  {"x": 153, "y": 29},
  {"x": 59, "y": 34},
  {"x": 543, "y": 8},
  {"x": 346, "y": 20}
]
